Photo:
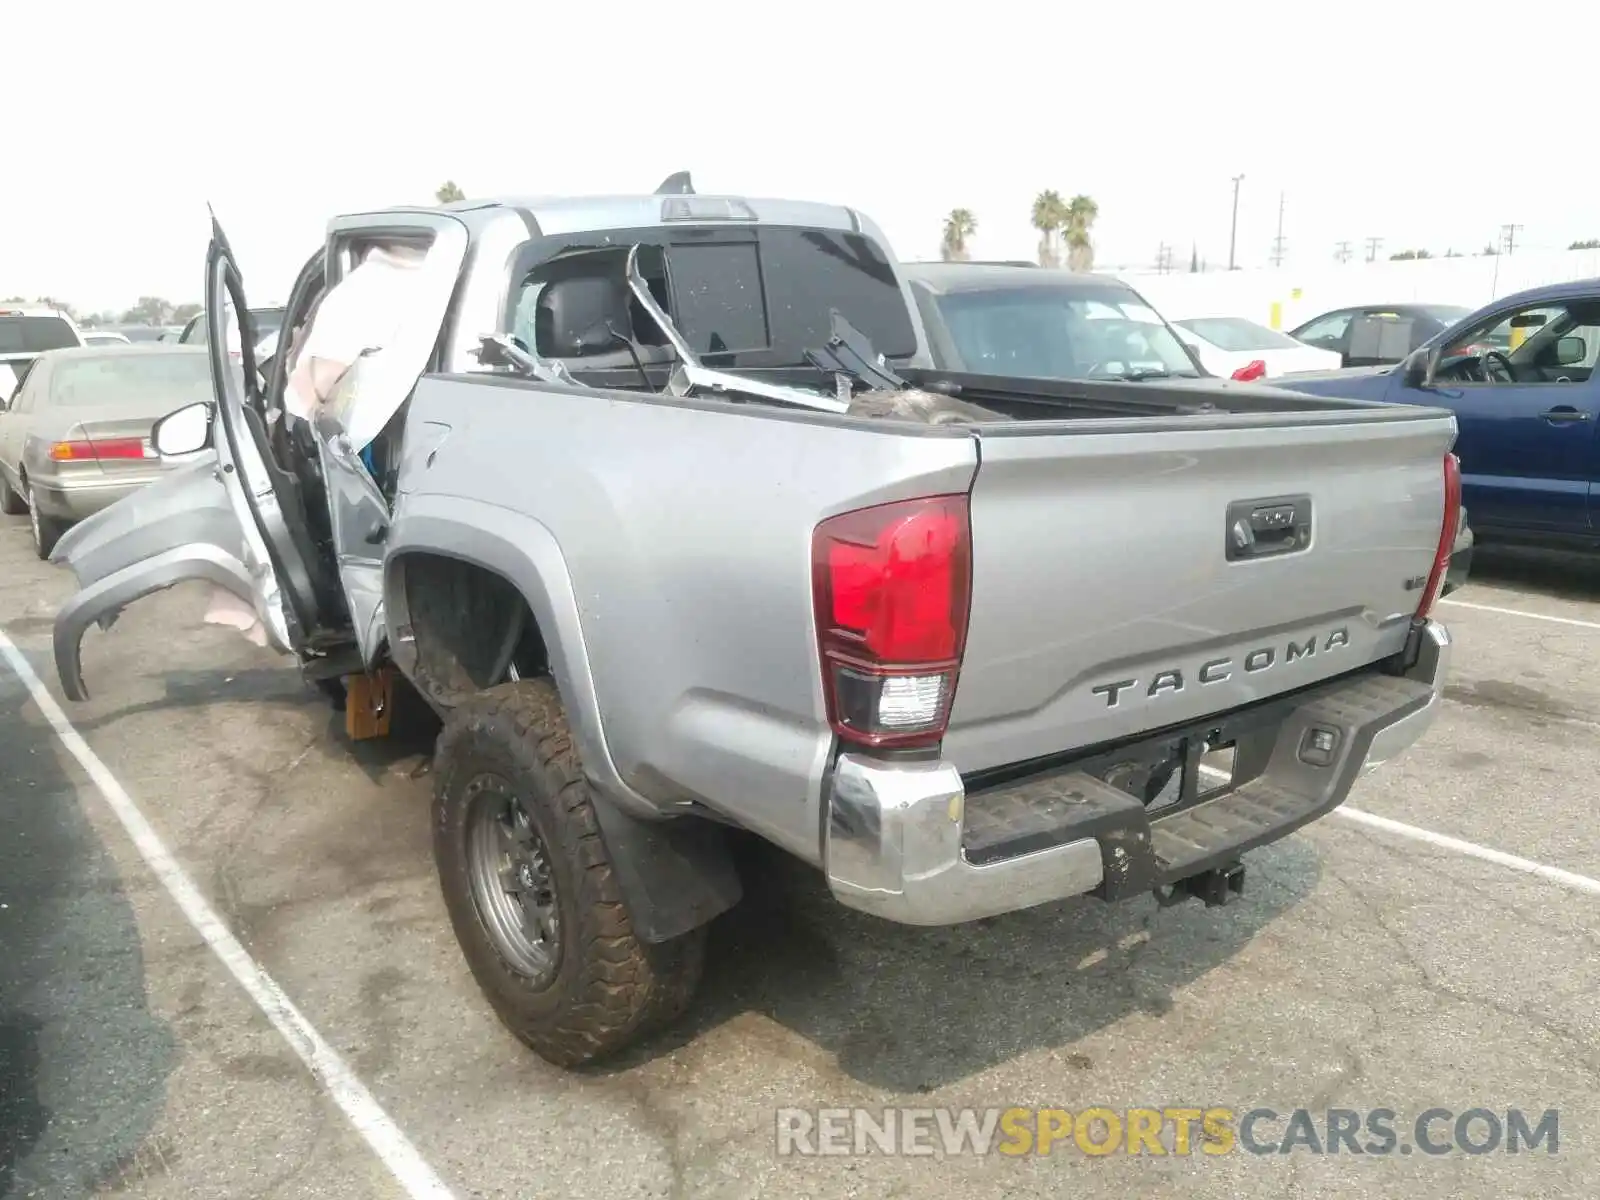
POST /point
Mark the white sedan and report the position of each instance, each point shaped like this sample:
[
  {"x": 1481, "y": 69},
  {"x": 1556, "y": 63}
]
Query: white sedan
[{"x": 1235, "y": 348}]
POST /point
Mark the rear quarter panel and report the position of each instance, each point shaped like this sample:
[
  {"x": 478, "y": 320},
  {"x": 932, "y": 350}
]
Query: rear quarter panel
[{"x": 669, "y": 544}]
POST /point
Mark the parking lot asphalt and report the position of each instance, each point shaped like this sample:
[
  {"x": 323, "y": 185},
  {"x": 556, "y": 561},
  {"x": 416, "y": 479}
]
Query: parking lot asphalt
[{"x": 1360, "y": 970}]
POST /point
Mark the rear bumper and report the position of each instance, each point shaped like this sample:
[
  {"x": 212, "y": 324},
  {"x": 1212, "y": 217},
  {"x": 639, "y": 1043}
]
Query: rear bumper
[
  {"x": 79, "y": 498},
  {"x": 904, "y": 840}
]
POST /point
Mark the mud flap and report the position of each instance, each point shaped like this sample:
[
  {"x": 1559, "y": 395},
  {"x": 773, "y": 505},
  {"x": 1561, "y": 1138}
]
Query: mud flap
[{"x": 675, "y": 875}]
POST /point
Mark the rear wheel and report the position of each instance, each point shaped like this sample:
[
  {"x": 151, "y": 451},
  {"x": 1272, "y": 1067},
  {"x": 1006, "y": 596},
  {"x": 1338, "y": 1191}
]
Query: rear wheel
[
  {"x": 46, "y": 530},
  {"x": 531, "y": 889},
  {"x": 11, "y": 504}
]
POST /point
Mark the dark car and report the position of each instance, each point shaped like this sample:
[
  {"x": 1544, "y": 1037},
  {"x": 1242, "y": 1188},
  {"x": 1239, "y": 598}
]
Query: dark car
[
  {"x": 1520, "y": 376},
  {"x": 1040, "y": 323},
  {"x": 1371, "y": 335}
]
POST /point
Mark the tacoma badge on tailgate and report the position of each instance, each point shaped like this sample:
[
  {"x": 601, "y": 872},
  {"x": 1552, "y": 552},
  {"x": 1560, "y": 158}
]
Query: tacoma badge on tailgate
[{"x": 1216, "y": 670}]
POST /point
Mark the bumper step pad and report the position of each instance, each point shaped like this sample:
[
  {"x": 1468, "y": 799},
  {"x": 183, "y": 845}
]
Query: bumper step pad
[{"x": 1142, "y": 850}]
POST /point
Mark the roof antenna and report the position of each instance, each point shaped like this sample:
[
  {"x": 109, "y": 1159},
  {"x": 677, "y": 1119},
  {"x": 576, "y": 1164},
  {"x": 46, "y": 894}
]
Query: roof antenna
[{"x": 676, "y": 185}]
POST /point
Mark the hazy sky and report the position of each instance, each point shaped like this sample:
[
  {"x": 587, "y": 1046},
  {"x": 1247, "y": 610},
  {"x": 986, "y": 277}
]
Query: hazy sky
[{"x": 1427, "y": 124}]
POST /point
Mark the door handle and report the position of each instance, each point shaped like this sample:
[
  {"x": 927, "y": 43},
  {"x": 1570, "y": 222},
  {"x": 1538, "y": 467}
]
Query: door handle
[{"x": 1564, "y": 412}]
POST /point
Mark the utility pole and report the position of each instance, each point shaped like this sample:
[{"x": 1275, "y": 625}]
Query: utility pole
[
  {"x": 1233, "y": 231},
  {"x": 1164, "y": 259},
  {"x": 1508, "y": 237},
  {"x": 1372, "y": 248},
  {"x": 1341, "y": 252},
  {"x": 1278, "y": 244}
]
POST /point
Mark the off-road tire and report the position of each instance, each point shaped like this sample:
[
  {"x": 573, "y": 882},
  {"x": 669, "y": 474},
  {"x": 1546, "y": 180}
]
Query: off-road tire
[
  {"x": 609, "y": 988},
  {"x": 11, "y": 504}
]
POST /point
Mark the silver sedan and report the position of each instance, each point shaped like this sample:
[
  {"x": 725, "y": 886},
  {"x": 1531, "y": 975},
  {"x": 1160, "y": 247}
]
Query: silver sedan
[{"x": 75, "y": 434}]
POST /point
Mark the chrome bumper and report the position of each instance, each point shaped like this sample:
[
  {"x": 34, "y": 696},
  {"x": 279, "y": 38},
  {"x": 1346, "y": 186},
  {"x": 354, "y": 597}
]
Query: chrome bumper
[{"x": 897, "y": 842}]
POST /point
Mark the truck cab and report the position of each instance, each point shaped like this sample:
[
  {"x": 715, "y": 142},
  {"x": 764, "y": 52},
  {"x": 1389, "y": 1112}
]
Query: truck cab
[{"x": 542, "y": 272}]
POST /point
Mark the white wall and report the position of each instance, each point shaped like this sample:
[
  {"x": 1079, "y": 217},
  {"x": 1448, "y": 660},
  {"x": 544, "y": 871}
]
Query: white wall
[{"x": 1293, "y": 294}]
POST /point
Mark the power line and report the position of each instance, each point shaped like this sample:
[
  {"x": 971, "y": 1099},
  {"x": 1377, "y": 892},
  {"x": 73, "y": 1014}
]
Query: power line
[
  {"x": 1373, "y": 244},
  {"x": 1508, "y": 237},
  {"x": 1164, "y": 259},
  {"x": 1278, "y": 244}
]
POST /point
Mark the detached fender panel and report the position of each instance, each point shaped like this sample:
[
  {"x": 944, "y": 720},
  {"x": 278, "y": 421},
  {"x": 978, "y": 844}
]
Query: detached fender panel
[
  {"x": 187, "y": 506},
  {"x": 101, "y": 602},
  {"x": 177, "y": 528}
]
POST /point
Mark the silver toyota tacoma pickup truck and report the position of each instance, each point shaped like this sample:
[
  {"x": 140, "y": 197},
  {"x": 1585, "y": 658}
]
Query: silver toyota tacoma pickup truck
[{"x": 657, "y": 501}]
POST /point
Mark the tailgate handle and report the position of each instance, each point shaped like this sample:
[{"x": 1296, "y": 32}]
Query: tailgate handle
[{"x": 1266, "y": 527}]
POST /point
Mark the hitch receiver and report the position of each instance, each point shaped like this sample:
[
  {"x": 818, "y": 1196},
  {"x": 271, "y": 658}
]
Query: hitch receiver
[{"x": 1218, "y": 886}]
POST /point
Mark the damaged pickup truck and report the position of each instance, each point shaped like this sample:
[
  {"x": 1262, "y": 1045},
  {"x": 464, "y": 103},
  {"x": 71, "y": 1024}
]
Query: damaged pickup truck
[{"x": 656, "y": 501}]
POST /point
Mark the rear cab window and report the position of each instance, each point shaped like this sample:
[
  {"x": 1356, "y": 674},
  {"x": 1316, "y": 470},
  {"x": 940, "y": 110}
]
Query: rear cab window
[{"x": 742, "y": 297}]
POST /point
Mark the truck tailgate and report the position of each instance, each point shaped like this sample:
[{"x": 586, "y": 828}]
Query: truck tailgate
[{"x": 1106, "y": 601}]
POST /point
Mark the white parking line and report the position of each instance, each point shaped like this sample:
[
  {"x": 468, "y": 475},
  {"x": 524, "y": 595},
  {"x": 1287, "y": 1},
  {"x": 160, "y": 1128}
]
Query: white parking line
[
  {"x": 1517, "y": 612},
  {"x": 1578, "y": 883},
  {"x": 387, "y": 1140}
]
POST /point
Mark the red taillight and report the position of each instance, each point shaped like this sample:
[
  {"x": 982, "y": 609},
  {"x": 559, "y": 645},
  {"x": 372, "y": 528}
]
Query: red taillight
[
  {"x": 1252, "y": 370},
  {"x": 1447, "y": 535},
  {"x": 892, "y": 587},
  {"x": 86, "y": 451}
]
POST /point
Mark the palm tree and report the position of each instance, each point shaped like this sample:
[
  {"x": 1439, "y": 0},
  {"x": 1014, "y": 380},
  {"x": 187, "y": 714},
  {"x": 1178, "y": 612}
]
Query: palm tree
[
  {"x": 1049, "y": 213},
  {"x": 1076, "y": 227},
  {"x": 958, "y": 227}
]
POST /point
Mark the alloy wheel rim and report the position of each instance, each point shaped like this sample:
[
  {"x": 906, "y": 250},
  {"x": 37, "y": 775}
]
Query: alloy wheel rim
[{"x": 512, "y": 882}]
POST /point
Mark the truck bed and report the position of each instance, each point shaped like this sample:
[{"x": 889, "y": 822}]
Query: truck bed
[{"x": 1104, "y": 601}]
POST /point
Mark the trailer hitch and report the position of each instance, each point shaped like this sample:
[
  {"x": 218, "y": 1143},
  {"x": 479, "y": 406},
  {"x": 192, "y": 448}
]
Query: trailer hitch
[{"x": 1218, "y": 886}]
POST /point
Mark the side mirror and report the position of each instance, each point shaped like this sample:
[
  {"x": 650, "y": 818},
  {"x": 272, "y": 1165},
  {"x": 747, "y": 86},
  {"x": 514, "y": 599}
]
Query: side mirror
[
  {"x": 183, "y": 432},
  {"x": 1419, "y": 366},
  {"x": 1570, "y": 351}
]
